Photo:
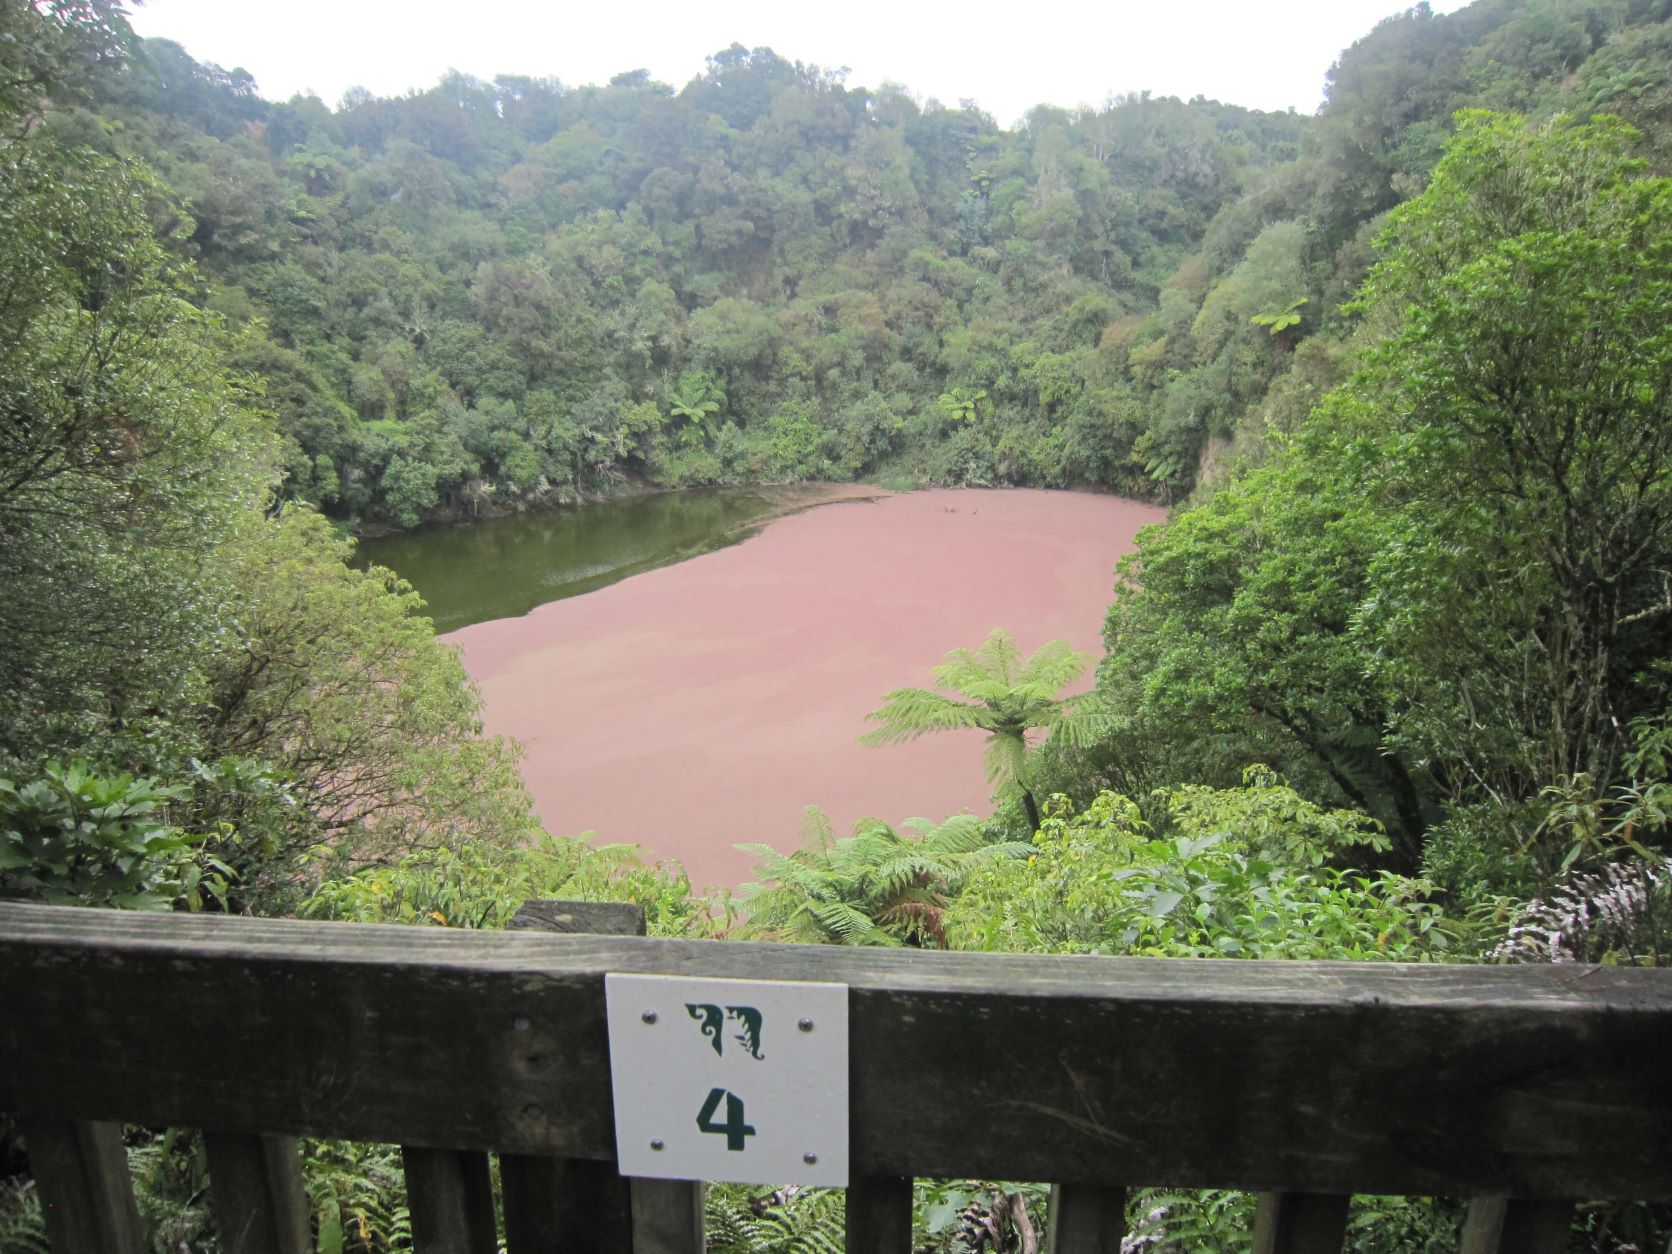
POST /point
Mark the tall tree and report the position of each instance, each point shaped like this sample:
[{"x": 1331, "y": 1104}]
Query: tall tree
[
  {"x": 1519, "y": 421},
  {"x": 126, "y": 448},
  {"x": 1449, "y": 592}
]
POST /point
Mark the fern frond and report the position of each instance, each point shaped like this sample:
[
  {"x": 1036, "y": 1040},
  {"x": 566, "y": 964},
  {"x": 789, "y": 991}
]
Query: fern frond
[
  {"x": 908, "y": 874},
  {"x": 999, "y": 656},
  {"x": 908, "y": 713},
  {"x": 1052, "y": 667},
  {"x": 816, "y": 832},
  {"x": 848, "y": 925},
  {"x": 22, "y": 1227},
  {"x": 1005, "y": 760},
  {"x": 960, "y": 833},
  {"x": 1083, "y": 722}
]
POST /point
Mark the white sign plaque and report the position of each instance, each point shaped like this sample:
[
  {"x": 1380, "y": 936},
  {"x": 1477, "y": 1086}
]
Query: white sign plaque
[{"x": 738, "y": 1080}]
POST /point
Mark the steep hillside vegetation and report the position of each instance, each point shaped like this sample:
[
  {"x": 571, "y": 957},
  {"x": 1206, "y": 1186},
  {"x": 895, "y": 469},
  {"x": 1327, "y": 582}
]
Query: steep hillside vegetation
[{"x": 507, "y": 293}]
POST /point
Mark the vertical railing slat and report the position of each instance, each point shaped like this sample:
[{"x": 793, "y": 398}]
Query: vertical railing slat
[
  {"x": 575, "y": 1205},
  {"x": 450, "y": 1196},
  {"x": 1300, "y": 1223},
  {"x": 879, "y": 1216},
  {"x": 667, "y": 1217},
  {"x": 1503, "y": 1225},
  {"x": 568, "y": 1204},
  {"x": 260, "y": 1204},
  {"x": 87, "y": 1196},
  {"x": 1086, "y": 1219}
]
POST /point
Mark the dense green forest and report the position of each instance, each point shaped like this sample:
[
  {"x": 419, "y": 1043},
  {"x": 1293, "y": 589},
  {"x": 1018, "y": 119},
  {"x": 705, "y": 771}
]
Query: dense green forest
[
  {"x": 1394, "y": 683},
  {"x": 492, "y": 295}
]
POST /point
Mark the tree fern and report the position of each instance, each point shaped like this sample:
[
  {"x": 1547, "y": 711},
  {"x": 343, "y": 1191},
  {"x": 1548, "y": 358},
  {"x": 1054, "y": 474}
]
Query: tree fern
[
  {"x": 1002, "y": 693},
  {"x": 878, "y": 886}
]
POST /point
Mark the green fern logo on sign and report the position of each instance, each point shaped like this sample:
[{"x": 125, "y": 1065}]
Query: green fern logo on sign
[{"x": 713, "y": 1021}]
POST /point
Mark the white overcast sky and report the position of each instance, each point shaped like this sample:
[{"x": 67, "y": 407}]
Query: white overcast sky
[{"x": 1006, "y": 57}]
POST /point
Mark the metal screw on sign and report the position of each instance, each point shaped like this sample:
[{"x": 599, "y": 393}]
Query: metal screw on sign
[
  {"x": 809, "y": 1159},
  {"x": 656, "y": 1145},
  {"x": 806, "y": 1025},
  {"x": 649, "y": 1016}
]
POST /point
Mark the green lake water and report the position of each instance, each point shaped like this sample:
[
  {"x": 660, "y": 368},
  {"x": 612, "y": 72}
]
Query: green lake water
[{"x": 502, "y": 567}]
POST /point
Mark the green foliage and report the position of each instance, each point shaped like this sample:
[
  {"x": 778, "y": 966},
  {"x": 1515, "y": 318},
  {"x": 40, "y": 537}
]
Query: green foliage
[
  {"x": 1236, "y": 873},
  {"x": 1404, "y": 1225},
  {"x": 75, "y": 837},
  {"x": 334, "y": 678},
  {"x": 483, "y": 260},
  {"x": 170, "y": 1190},
  {"x": 1283, "y": 319},
  {"x": 22, "y": 1229},
  {"x": 696, "y": 400},
  {"x": 738, "y": 1220},
  {"x": 482, "y": 885},
  {"x": 1214, "y": 1221},
  {"x": 170, "y": 1172},
  {"x": 357, "y": 1194},
  {"x": 1443, "y": 600},
  {"x": 50, "y": 48},
  {"x": 1529, "y": 533},
  {"x": 875, "y": 887},
  {"x": 126, "y": 449}
]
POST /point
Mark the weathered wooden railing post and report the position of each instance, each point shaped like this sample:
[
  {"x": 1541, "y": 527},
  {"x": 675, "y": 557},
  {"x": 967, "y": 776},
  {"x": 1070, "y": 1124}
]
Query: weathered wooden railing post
[
  {"x": 1502, "y": 1225},
  {"x": 1300, "y": 1223},
  {"x": 878, "y": 1211},
  {"x": 584, "y": 1205},
  {"x": 449, "y": 1194},
  {"x": 261, "y": 1206},
  {"x": 81, "y": 1174},
  {"x": 1086, "y": 1219}
]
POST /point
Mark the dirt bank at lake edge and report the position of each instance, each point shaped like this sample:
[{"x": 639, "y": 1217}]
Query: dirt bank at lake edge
[{"x": 708, "y": 703}]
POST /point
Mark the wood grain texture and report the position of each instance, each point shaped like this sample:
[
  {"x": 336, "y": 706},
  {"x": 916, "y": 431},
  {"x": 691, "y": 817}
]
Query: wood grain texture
[
  {"x": 596, "y": 918},
  {"x": 261, "y": 1206},
  {"x": 878, "y": 1211},
  {"x": 1086, "y": 1219},
  {"x": 572, "y": 1204},
  {"x": 1502, "y": 1225},
  {"x": 564, "y": 1206},
  {"x": 450, "y": 1196},
  {"x": 1300, "y": 1223},
  {"x": 667, "y": 1217},
  {"x": 87, "y": 1196},
  {"x": 576, "y": 1206},
  {"x": 1538, "y": 1081}
]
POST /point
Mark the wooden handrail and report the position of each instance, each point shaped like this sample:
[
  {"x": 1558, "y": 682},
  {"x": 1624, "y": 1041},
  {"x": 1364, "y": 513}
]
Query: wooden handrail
[{"x": 1314, "y": 1078}]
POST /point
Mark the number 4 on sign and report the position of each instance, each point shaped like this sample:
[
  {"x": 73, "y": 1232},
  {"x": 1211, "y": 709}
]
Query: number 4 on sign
[{"x": 733, "y": 1129}]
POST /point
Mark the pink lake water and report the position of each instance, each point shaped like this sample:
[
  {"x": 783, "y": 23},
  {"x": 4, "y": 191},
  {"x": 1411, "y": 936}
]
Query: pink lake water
[{"x": 699, "y": 706}]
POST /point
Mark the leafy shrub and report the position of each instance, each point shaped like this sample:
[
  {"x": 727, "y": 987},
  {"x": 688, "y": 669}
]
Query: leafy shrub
[
  {"x": 480, "y": 885},
  {"x": 1239, "y": 873},
  {"x": 74, "y": 837}
]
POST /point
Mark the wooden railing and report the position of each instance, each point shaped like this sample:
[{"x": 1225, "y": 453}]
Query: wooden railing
[{"x": 1520, "y": 1088}]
